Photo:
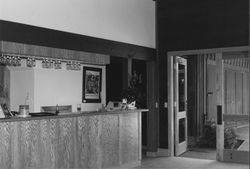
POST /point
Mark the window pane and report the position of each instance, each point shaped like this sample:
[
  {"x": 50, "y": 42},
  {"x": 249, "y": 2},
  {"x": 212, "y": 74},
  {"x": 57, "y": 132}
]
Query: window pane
[
  {"x": 182, "y": 133},
  {"x": 181, "y": 82}
]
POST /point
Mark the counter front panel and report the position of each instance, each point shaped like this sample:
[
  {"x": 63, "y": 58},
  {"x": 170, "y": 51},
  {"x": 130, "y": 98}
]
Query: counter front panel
[{"x": 80, "y": 140}]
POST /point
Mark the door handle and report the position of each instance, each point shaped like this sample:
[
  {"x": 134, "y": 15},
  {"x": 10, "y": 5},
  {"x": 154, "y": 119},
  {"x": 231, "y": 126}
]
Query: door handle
[{"x": 219, "y": 114}]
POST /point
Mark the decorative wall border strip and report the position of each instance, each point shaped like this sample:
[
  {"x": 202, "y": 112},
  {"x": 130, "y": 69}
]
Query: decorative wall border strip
[{"x": 53, "y": 53}]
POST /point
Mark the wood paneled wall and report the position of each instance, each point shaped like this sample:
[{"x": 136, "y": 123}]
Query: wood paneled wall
[
  {"x": 211, "y": 91},
  {"x": 98, "y": 141},
  {"x": 236, "y": 74},
  {"x": 194, "y": 24},
  {"x": 193, "y": 119},
  {"x": 152, "y": 114},
  {"x": 33, "y": 35},
  {"x": 236, "y": 91}
]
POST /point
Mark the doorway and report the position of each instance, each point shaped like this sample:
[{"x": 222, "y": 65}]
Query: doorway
[
  {"x": 214, "y": 92},
  {"x": 194, "y": 135},
  {"x": 194, "y": 132}
]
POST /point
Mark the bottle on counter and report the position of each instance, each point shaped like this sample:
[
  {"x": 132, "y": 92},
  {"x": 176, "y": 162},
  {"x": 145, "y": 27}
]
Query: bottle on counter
[
  {"x": 124, "y": 103},
  {"x": 78, "y": 108},
  {"x": 57, "y": 110}
]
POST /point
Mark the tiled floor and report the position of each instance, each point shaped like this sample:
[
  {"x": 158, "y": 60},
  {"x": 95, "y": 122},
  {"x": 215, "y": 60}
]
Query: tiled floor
[
  {"x": 186, "y": 163},
  {"x": 200, "y": 153}
]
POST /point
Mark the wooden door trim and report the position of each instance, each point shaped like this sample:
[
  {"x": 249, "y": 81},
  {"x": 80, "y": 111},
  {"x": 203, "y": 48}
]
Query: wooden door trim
[
  {"x": 170, "y": 105},
  {"x": 220, "y": 102},
  {"x": 152, "y": 114},
  {"x": 207, "y": 51}
]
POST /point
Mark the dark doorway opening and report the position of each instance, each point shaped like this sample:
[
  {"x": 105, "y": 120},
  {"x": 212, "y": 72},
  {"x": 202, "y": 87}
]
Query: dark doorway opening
[
  {"x": 139, "y": 67},
  {"x": 116, "y": 78},
  {"x": 201, "y": 126}
]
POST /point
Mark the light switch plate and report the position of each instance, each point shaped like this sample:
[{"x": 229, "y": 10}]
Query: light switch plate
[
  {"x": 165, "y": 104},
  {"x": 156, "y": 104}
]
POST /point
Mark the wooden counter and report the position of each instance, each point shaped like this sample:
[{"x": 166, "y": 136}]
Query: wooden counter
[{"x": 76, "y": 140}]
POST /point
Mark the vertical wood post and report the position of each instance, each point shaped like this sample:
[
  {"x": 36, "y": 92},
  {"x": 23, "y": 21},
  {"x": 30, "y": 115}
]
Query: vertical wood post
[
  {"x": 205, "y": 86},
  {"x": 220, "y": 102},
  {"x": 152, "y": 121},
  {"x": 201, "y": 94}
]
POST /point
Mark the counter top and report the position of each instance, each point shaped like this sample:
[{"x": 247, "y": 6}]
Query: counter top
[{"x": 72, "y": 114}]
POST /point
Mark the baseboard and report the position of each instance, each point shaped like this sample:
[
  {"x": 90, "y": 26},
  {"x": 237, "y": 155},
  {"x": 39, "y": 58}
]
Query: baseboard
[
  {"x": 192, "y": 141},
  {"x": 160, "y": 153},
  {"x": 163, "y": 152},
  {"x": 151, "y": 154},
  {"x": 132, "y": 164}
]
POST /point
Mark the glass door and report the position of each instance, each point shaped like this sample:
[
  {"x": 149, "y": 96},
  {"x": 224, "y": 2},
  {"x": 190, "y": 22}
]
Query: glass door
[{"x": 180, "y": 105}]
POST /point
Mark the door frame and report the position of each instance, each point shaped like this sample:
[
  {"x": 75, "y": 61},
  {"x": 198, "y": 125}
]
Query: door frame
[{"x": 170, "y": 86}]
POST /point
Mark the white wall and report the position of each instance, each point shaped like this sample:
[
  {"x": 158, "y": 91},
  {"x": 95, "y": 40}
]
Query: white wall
[
  {"x": 21, "y": 87},
  {"x": 129, "y": 21},
  {"x": 63, "y": 87},
  {"x": 49, "y": 87},
  {"x": 1, "y": 9}
]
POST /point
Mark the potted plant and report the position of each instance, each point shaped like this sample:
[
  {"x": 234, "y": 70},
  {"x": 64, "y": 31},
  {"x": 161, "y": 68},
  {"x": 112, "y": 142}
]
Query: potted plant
[
  {"x": 134, "y": 93},
  {"x": 208, "y": 140},
  {"x": 230, "y": 138}
]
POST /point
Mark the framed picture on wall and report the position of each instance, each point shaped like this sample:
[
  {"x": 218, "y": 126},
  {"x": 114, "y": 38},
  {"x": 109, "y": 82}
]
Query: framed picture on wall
[{"x": 92, "y": 85}]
